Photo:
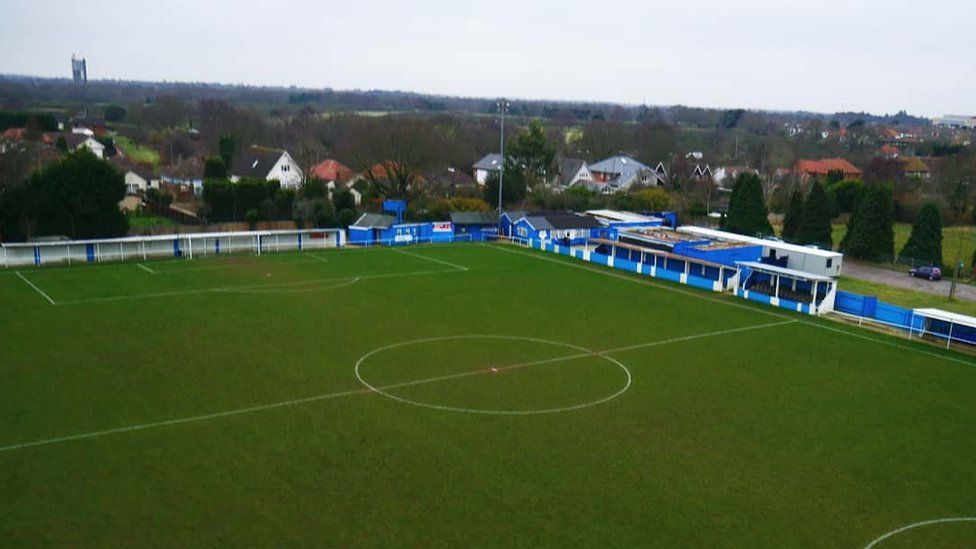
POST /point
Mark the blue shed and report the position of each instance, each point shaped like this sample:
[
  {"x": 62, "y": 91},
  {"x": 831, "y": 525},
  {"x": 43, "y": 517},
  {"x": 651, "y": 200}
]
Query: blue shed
[{"x": 478, "y": 226}]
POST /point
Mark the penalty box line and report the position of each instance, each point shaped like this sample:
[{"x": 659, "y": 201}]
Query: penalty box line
[
  {"x": 231, "y": 289},
  {"x": 363, "y": 391},
  {"x": 38, "y": 290}
]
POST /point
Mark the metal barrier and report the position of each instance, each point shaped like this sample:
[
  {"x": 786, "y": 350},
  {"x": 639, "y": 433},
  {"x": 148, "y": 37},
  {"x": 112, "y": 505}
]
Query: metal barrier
[{"x": 187, "y": 245}]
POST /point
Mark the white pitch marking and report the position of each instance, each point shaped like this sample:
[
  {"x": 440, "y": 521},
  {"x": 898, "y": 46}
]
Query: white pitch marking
[
  {"x": 295, "y": 291},
  {"x": 916, "y": 525},
  {"x": 38, "y": 290},
  {"x": 585, "y": 352},
  {"x": 730, "y": 304},
  {"x": 318, "y": 257},
  {"x": 442, "y": 262},
  {"x": 326, "y": 396},
  {"x": 248, "y": 287},
  {"x": 144, "y": 268}
]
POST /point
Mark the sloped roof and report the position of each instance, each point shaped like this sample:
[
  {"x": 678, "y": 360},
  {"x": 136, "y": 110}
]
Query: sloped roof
[
  {"x": 825, "y": 166},
  {"x": 74, "y": 140},
  {"x": 374, "y": 221},
  {"x": 473, "y": 218},
  {"x": 331, "y": 170},
  {"x": 568, "y": 168},
  {"x": 126, "y": 165},
  {"x": 491, "y": 161},
  {"x": 189, "y": 169},
  {"x": 570, "y": 220},
  {"x": 913, "y": 164},
  {"x": 617, "y": 164},
  {"x": 255, "y": 162}
]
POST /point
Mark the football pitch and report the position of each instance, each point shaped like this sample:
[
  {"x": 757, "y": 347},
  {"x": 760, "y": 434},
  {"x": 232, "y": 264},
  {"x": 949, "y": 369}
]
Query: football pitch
[{"x": 462, "y": 395}]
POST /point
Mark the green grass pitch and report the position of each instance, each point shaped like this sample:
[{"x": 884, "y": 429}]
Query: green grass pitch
[{"x": 465, "y": 395}]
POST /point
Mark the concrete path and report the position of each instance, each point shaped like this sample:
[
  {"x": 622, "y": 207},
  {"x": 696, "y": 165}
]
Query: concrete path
[{"x": 902, "y": 280}]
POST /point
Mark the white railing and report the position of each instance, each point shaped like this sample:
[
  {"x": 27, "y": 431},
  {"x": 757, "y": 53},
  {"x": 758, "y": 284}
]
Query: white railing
[{"x": 190, "y": 245}]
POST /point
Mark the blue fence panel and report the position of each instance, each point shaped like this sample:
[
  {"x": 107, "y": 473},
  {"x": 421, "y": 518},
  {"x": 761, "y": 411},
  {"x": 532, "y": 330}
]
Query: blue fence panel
[
  {"x": 625, "y": 265},
  {"x": 669, "y": 275},
  {"x": 700, "y": 282}
]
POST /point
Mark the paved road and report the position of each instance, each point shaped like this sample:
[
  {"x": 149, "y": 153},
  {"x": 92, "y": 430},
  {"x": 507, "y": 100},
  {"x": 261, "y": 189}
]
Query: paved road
[{"x": 902, "y": 280}]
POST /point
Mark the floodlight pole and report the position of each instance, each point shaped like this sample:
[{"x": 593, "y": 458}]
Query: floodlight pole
[{"x": 503, "y": 108}]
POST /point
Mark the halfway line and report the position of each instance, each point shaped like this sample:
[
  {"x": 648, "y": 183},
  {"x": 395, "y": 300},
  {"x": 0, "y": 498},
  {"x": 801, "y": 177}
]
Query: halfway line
[{"x": 327, "y": 396}]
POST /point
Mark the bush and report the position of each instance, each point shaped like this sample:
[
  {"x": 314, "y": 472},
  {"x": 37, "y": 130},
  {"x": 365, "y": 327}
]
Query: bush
[
  {"x": 252, "y": 216},
  {"x": 347, "y": 217}
]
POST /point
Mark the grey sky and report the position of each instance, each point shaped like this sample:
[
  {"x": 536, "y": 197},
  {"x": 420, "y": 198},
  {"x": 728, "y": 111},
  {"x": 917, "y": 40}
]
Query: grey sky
[{"x": 822, "y": 55}]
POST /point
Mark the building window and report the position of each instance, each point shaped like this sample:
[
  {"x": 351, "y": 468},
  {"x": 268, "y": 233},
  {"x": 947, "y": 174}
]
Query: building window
[{"x": 830, "y": 262}]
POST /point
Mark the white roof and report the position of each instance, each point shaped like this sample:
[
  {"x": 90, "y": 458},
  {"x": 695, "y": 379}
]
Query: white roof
[
  {"x": 774, "y": 244},
  {"x": 167, "y": 237},
  {"x": 626, "y": 217},
  {"x": 947, "y": 316},
  {"x": 792, "y": 273}
]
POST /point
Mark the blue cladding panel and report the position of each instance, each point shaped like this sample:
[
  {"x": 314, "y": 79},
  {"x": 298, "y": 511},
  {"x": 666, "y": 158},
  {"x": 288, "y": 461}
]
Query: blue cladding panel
[
  {"x": 90, "y": 253},
  {"x": 669, "y": 275},
  {"x": 625, "y": 265},
  {"x": 699, "y": 282},
  {"x": 37, "y": 255},
  {"x": 761, "y": 298}
]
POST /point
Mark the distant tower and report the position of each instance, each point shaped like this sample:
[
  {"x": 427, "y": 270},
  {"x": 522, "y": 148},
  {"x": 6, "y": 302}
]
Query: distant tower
[{"x": 79, "y": 70}]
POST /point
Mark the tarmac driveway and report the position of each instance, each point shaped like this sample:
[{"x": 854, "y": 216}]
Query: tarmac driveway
[{"x": 902, "y": 280}]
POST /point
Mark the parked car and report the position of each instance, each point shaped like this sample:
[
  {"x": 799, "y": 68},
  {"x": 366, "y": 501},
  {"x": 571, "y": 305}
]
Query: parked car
[{"x": 931, "y": 273}]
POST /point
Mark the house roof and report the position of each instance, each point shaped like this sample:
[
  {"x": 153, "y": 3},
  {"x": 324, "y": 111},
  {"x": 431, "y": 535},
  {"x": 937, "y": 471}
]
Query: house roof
[
  {"x": 825, "y": 166},
  {"x": 912, "y": 164},
  {"x": 255, "y": 162},
  {"x": 617, "y": 164},
  {"x": 190, "y": 169},
  {"x": 568, "y": 168},
  {"x": 514, "y": 215},
  {"x": 491, "y": 161},
  {"x": 331, "y": 170},
  {"x": 126, "y": 165},
  {"x": 374, "y": 221},
  {"x": 889, "y": 150},
  {"x": 473, "y": 218},
  {"x": 14, "y": 134},
  {"x": 74, "y": 140},
  {"x": 625, "y": 168}
]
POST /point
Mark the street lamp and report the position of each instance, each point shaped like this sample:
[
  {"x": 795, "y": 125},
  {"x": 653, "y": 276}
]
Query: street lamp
[{"x": 503, "y": 106}]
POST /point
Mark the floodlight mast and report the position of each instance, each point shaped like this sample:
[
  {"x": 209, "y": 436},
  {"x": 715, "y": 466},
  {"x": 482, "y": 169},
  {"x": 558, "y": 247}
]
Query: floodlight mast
[{"x": 503, "y": 106}]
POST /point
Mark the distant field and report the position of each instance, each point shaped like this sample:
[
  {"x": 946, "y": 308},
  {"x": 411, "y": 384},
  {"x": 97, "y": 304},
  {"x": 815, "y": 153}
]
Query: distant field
[
  {"x": 957, "y": 242},
  {"x": 465, "y": 395},
  {"x": 146, "y": 221},
  {"x": 138, "y": 153}
]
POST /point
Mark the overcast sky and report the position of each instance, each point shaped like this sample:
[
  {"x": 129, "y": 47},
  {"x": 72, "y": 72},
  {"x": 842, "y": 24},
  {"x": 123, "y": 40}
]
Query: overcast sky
[{"x": 820, "y": 55}]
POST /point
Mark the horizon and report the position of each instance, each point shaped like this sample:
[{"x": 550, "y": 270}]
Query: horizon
[{"x": 701, "y": 54}]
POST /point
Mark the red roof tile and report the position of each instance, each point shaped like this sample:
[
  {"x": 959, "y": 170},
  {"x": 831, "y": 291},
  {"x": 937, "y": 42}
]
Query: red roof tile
[
  {"x": 330, "y": 170},
  {"x": 825, "y": 166}
]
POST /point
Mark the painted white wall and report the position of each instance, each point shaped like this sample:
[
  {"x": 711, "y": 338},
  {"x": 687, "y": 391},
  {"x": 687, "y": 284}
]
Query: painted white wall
[
  {"x": 481, "y": 176},
  {"x": 286, "y": 171},
  {"x": 94, "y": 146},
  {"x": 134, "y": 183}
]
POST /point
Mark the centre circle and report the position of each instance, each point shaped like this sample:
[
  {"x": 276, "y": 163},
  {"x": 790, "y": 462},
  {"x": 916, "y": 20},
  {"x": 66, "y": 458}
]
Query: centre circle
[{"x": 579, "y": 352}]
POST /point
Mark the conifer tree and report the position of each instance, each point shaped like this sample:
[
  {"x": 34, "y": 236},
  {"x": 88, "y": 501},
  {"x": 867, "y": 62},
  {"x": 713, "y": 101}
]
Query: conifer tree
[
  {"x": 747, "y": 208},
  {"x": 925, "y": 243},
  {"x": 815, "y": 225},
  {"x": 794, "y": 211}
]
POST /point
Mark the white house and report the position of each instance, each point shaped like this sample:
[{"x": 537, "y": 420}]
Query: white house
[
  {"x": 268, "y": 164},
  {"x": 571, "y": 171},
  {"x": 138, "y": 178},
  {"x": 78, "y": 140},
  {"x": 491, "y": 163}
]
